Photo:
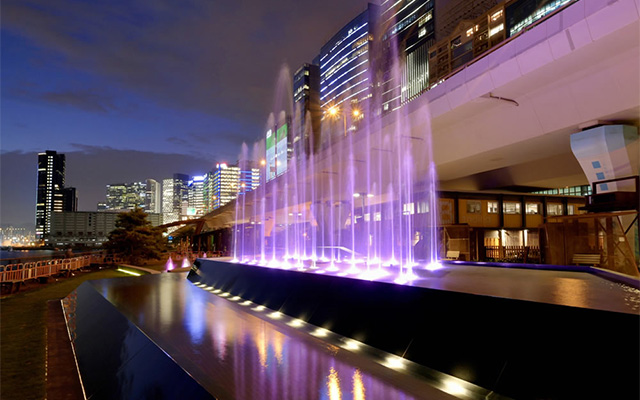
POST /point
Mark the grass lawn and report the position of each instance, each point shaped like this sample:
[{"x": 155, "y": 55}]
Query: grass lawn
[{"x": 23, "y": 333}]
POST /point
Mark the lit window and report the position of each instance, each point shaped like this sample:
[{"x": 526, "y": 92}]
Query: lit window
[
  {"x": 533, "y": 208},
  {"x": 496, "y": 15},
  {"x": 422, "y": 32},
  {"x": 571, "y": 209},
  {"x": 496, "y": 29},
  {"x": 470, "y": 32},
  {"x": 511, "y": 207},
  {"x": 408, "y": 209},
  {"x": 554, "y": 209},
  {"x": 492, "y": 207},
  {"x": 474, "y": 207}
]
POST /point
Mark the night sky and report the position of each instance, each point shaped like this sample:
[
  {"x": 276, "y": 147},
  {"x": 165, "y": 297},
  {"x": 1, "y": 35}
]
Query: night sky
[{"x": 131, "y": 90}]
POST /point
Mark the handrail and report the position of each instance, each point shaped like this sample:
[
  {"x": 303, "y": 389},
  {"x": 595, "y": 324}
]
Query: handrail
[{"x": 23, "y": 271}]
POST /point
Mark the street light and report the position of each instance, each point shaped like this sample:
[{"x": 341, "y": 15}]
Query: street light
[{"x": 334, "y": 111}]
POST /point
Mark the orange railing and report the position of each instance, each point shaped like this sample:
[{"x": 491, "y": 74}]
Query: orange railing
[{"x": 33, "y": 269}]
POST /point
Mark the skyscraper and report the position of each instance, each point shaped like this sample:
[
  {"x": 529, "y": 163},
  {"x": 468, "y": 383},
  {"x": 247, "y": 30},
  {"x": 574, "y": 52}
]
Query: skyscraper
[
  {"x": 175, "y": 198},
  {"x": 306, "y": 100},
  {"x": 228, "y": 181},
  {"x": 126, "y": 196},
  {"x": 50, "y": 195},
  {"x": 153, "y": 197},
  {"x": 196, "y": 196},
  {"x": 408, "y": 30},
  {"x": 346, "y": 63}
]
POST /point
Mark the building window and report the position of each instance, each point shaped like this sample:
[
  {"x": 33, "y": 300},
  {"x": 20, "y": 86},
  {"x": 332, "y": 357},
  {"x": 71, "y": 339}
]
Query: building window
[
  {"x": 474, "y": 207},
  {"x": 408, "y": 209},
  {"x": 492, "y": 207},
  {"x": 571, "y": 209},
  {"x": 511, "y": 207},
  {"x": 554, "y": 209},
  {"x": 532, "y": 208}
]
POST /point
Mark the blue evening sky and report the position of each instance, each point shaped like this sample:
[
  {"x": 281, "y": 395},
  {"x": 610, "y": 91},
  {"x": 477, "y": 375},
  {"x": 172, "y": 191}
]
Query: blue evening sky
[{"x": 137, "y": 89}]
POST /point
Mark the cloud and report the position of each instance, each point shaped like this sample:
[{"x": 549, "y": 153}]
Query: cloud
[
  {"x": 85, "y": 100},
  {"x": 222, "y": 58}
]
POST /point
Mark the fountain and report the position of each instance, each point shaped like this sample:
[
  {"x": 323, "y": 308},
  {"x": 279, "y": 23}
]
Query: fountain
[
  {"x": 362, "y": 205},
  {"x": 169, "y": 265}
]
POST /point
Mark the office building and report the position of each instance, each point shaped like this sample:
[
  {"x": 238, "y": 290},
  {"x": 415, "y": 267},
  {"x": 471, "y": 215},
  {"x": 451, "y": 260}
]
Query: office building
[
  {"x": 153, "y": 197},
  {"x": 228, "y": 181},
  {"x": 69, "y": 199},
  {"x": 479, "y": 26},
  {"x": 196, "y": 206},
  {"x": 126, "y": 196},
  {"x": 306, "y": 102},
  {"x": 175, "y": 198},
  {"x": 407, "y": 32},
  {"x": 51, "y": 195},
  {"x": 86, "y": 228},
  {"x": 347, "y": 64}
]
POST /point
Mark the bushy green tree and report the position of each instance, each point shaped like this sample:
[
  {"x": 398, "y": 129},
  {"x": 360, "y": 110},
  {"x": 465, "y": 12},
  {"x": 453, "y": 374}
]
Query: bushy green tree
[{"x": 135, "y": 238}]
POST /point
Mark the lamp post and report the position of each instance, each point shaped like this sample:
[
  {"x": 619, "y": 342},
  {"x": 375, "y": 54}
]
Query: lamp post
[{"x": 335, "y": 111}]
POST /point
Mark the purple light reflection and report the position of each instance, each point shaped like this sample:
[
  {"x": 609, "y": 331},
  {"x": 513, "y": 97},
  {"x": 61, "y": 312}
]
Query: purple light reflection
[{"x": 233, "y": 353}]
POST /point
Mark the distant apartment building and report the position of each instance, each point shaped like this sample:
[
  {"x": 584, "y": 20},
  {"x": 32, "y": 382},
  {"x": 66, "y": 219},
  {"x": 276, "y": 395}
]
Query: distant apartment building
[
  {"x": 52, "y": 196},
  {"x": 175, "y": 198},
  {"x": 86, "y": 228}
]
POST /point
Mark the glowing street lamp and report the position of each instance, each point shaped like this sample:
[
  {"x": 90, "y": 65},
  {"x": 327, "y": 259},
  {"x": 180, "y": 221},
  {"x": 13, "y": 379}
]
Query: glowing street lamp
[{"x": 334, "y": 111}]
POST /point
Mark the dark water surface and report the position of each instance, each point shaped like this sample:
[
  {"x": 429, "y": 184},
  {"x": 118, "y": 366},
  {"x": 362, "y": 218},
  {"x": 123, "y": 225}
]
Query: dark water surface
[{"x": 234, "y": 354}]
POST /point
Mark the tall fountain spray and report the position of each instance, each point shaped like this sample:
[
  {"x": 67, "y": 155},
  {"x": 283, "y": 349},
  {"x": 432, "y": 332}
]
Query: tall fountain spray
[{"x": 361, "y": 201}]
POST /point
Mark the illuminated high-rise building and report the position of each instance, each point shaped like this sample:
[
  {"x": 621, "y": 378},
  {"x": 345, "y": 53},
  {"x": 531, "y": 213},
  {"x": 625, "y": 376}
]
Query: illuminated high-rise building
[
  {"x": 407, "y": 31},
  {"x": 347, "y": 63},
  {"x": 228, "y": 181},
  {"x": 153, "y": 197},
  {"x": 175, "y": 198},
  {"x": 196, "y": 196},
  {"x": 50, "y": 192},
  {"x": 306, "y": 101},
  {"x": 125, "y": 196}
]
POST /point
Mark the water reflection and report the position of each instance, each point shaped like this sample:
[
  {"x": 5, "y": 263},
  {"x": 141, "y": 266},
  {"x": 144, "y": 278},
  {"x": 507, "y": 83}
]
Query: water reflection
[
  {"x": 236, "y": 355},
  {"x": 333, "y": 385}
]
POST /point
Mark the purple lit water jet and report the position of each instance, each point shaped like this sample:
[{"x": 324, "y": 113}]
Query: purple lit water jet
[
  {"x": 169, "y": 265},
  {"x": 363, "y": 203}
]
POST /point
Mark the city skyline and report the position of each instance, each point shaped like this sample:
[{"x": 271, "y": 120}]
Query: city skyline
[{"x": 156, "y": 90}]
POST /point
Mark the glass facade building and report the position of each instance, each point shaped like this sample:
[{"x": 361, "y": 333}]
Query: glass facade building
[
  {"x": 175, "y": 198},
  {"x": 227, "y": 181},
  {"x": 346, "y": 63},
  {"x": 50, "y": 195},
  {"x": 196, "y": 196},
  {"x": 408, "y": 30},
  {"x": 306, "y": 101}
]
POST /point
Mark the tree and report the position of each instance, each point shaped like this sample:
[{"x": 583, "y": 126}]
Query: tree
[{"x": 135, "y": 238}]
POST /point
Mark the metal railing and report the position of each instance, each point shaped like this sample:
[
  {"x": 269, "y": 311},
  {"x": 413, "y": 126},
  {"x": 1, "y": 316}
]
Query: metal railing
[{"x": 23, "y": 271}]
